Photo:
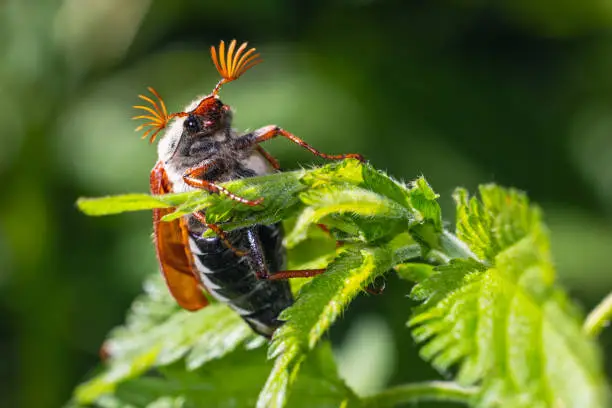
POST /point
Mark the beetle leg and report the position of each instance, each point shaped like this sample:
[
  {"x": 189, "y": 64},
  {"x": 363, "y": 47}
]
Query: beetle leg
[
  {"x": 375, "y": 288},
  {"x": 272, "y": 131},
  {"x": 271, "y": 159},
  {"x": 298, "y": 273},
  {"x": 192, "y": 177},
  {"x": 200, "y": 216},
  {"x": 258, "y": 263},
  {"x": 326, "y": 230}
]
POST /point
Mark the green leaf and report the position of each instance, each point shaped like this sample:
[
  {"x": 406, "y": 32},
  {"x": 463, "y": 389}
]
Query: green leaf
[
  {"x": 599, "y": 317},
  {"x": 129, "y": 202},
  {"x": 424, "y": 201},
  {"x": 106, "y": 401},
  {"x": 503, "y": 320},
  {"x": 319, "y": 304},
  {"x": 363, "y": 214},
  {"x": 414, "y": 272},
  {"x": 490, "y": 306},
  {"x": 231, "y": 381},
  {"x": 312, "y": 313},
  {"x": 384, "y": 185},
  {"x": 362, "y": 203},
  {"x": 158, "y": 333},
  {"x": 279, "y": 191},
  {"x": 318, "y": 382},
  {"x": 501, "y": 218},
  {"x": 235, "y": 381},
  {"x": 427, "y": 225},
  {"x": 343, "y": 172}
]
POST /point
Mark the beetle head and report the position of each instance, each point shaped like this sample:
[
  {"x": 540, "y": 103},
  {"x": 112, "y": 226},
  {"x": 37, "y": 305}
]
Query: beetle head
[{"x": 210, "y": 114}]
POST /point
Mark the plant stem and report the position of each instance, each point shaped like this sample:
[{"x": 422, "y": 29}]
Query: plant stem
[
  {"x": 417, "y": 392},
  {"x": 599, "y": 317},
  {"x": 407, "y": 252}
]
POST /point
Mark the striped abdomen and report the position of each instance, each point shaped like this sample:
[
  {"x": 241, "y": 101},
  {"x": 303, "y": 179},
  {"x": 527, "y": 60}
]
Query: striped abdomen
[{"x": 232, "y": 279}]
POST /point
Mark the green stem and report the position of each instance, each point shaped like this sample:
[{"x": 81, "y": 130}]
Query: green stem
[
  {"x": 599, "y": 317},
  {"x": 408, "y": 252},
  {"x": 418, "y": 392}
]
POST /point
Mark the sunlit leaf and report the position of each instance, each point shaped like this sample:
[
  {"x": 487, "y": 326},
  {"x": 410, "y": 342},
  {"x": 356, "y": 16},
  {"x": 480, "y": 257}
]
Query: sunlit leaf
[
  {"x": 489, "y": 302},
  {"x": 503, "y": 320},
  {"x": 414, "y": 272},
  {"x": 129, "y": 202},
  {"x": 320, "y": 303},
  {"x": 369, "y": 215}
]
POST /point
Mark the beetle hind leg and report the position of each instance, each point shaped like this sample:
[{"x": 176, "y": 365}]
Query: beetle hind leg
[
  {"x": 298, "y": 273},
  {"x": 200, "y": 216}
]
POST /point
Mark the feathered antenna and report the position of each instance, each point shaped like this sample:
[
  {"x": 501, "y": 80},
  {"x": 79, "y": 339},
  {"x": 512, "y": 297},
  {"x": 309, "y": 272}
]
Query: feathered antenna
[
  {"x": 158, "y": 115},
  {"x": 232, "y": 65}
]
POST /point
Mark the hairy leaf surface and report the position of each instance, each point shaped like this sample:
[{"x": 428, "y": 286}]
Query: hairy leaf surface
[
  {"x": 158, "y": 333},
  {"x": 321, "y": 301},
  {"x": 235, "y": 381},
  {"x": 489, "y": 302},
  {"x": 502, "y": 319}
]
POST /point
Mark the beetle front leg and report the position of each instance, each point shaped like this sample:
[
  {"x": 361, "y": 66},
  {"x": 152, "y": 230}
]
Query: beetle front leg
[
  {"x": 193, "y": 177},
  {"x": 272, "y": 131}
]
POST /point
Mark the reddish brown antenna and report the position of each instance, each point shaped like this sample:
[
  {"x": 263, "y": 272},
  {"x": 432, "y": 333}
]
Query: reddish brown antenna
[{"x": 232, "y": 65}]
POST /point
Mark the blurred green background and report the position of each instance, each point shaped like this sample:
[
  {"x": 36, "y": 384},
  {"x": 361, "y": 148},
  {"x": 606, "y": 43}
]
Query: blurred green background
[{"x": 518, "y": 92}]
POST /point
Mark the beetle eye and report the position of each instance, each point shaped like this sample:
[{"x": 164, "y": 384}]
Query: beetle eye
[{"x": 191, "y": 124}]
